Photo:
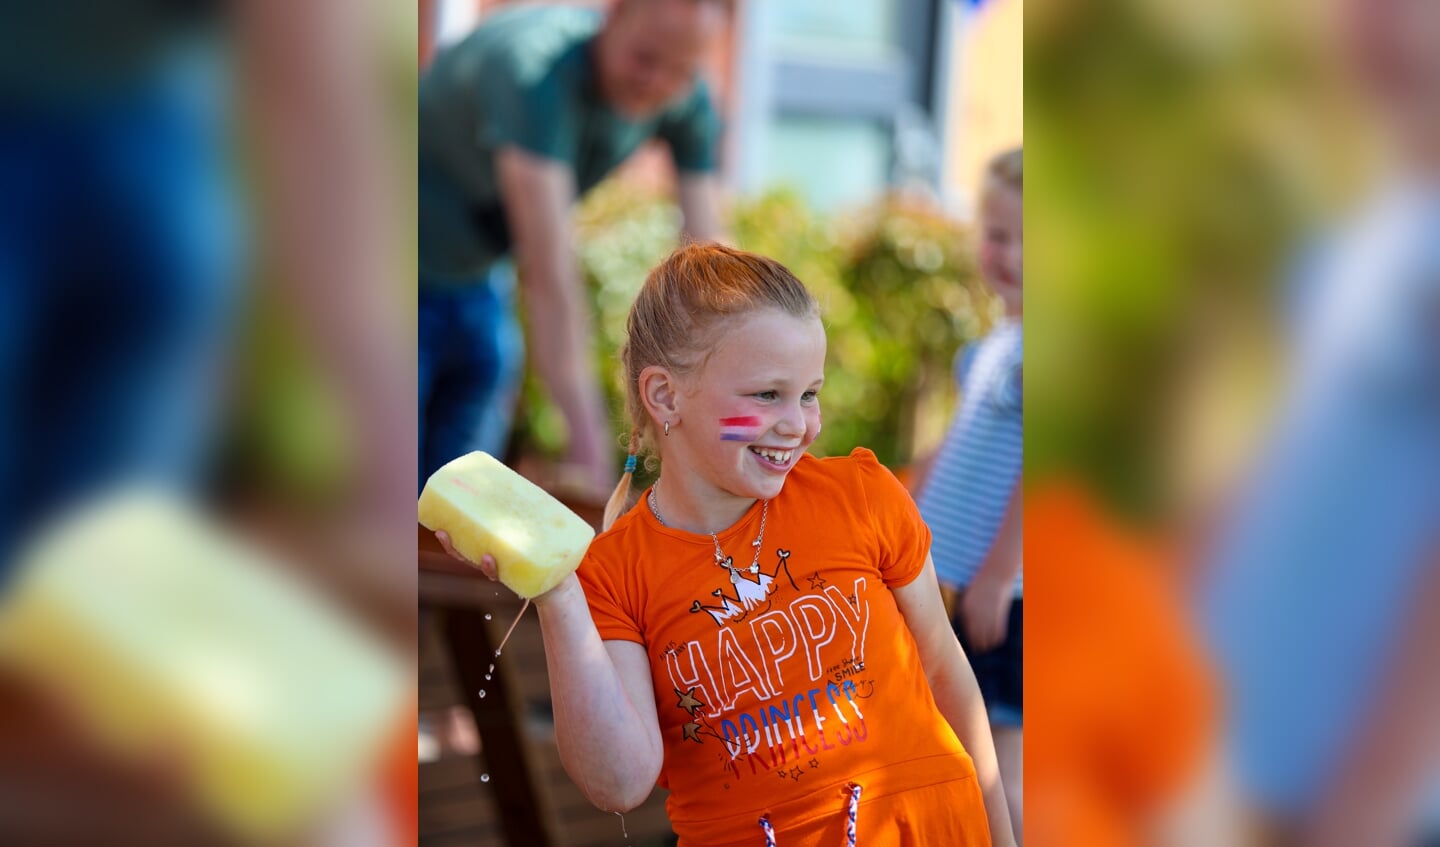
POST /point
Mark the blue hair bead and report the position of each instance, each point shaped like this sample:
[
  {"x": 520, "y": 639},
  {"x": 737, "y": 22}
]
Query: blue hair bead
[{"x": 630, "y": 464}]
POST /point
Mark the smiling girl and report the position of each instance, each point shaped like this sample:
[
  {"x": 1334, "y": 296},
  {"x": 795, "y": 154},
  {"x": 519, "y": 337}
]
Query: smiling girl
[{"x": 763, "y": 632}]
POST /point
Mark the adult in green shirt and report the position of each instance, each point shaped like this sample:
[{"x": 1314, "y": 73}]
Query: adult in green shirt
[{"x": 516, "y": 121}]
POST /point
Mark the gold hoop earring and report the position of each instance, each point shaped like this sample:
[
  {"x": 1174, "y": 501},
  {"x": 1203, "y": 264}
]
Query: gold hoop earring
[{"x": 667, "y": 428}]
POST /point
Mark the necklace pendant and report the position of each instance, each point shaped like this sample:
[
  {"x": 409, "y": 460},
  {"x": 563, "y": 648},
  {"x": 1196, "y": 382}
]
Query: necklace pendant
[{"x": 722, "y": 560}]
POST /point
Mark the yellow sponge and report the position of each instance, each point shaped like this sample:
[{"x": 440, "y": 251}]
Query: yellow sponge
[
  {"x": 486, "y": 507},
  {"x": 163, "y": 632}
]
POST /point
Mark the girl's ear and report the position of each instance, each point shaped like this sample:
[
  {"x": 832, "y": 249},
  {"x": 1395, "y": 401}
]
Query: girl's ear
[{"x": 660, "y": 393}]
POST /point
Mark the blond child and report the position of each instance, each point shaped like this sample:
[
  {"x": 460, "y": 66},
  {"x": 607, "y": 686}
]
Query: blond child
[{"x": 971, "y": 496}]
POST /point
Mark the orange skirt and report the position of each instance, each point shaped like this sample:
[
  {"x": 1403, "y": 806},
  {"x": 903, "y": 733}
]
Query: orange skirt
[{"x": 950, "y": 813}]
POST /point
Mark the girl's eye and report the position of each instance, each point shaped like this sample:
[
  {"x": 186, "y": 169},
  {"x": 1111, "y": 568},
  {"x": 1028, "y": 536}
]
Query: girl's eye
[
  {"x": 810, "y": 396},
  {"x": 767, "y": 395}
]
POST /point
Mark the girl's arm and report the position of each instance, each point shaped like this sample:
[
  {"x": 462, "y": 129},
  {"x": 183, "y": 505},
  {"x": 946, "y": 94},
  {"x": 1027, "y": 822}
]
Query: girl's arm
[
  {"x": 1378, "y": 794},
  {"x": 985, "y": 602},
  {"x": 605, "y": 721},
  {"x": 956, "y": 692}
]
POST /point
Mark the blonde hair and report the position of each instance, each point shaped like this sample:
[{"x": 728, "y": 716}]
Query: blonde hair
[
  {"x": 1007, "y": 169},
  {"x": 675, "y": 319}
]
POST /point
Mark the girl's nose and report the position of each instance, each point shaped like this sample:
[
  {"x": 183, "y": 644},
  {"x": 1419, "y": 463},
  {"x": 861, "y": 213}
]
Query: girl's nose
[{"x": 792, "y": 423}]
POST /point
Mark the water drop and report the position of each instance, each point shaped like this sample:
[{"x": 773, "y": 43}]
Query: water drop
[
  {"x": 491, "y": 669},
  {"x": 482, "y": 694},
  {"x": 487, "y": 616},
  {"x": 497, "y": 654},
  {"x": 487, "y": 677},
  {"x": 623, "y": 831},
  {"x": 484, "y": 777}
]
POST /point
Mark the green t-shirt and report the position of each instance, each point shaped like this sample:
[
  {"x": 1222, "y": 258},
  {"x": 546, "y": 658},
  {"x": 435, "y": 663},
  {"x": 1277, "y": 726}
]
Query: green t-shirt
[
  {"x": 74, "y": 52},
  {"x": 526, "y": 77}
]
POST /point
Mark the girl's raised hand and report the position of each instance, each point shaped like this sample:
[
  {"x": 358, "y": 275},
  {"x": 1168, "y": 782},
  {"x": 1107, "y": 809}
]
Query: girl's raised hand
[{"x": 487, "y": 563}]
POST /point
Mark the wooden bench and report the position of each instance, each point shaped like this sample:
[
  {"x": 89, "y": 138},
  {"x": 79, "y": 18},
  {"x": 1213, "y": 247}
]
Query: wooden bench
[{"x": 527, "y": 798}]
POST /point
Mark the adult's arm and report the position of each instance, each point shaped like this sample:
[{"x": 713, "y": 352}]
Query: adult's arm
[
  {"x": 700, "y": 203},
  {"x": 538, "y": 193},
  {"x": 328, "y": 185}
]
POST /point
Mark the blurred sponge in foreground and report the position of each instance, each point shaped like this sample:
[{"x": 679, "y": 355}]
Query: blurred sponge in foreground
[{"x": 163, "y": 636}]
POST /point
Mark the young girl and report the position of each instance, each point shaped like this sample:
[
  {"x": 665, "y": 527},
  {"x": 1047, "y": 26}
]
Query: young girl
[
  {"x": 972, "y": 497},
  {"x": 763, "y": 634}
]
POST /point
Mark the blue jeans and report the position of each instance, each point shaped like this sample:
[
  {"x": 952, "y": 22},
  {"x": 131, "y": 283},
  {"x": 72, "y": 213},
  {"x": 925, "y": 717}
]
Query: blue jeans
[
  {"x": 1000, "y": 671},
  {"x": 119, "y": 275},
  {"x": 471, "y": 359}
]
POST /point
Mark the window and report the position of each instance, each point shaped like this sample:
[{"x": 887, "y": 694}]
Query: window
[{"x": 838, "y": 100}]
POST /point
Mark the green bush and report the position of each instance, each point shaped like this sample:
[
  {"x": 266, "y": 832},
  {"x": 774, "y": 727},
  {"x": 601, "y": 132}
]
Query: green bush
[
  {"x": 915, "y": 298},
  {"x": 897, "y": 288}
]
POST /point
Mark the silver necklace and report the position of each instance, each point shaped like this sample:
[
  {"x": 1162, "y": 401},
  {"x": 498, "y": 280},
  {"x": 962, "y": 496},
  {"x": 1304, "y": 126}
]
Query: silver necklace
[{"x": 721, "y": 559}]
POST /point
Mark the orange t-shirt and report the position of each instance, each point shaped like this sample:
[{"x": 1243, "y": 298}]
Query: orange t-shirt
[
  {"x": 1120, "y": 704},
  {"x": 776, "y": 689}
]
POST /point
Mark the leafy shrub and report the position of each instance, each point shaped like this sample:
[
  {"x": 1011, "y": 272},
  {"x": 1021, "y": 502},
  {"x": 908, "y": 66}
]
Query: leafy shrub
[{"x": 896, "y": 283}]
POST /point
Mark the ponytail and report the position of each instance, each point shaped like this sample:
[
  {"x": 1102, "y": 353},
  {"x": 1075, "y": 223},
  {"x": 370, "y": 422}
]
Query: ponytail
[{"x": 615, "y": 506}]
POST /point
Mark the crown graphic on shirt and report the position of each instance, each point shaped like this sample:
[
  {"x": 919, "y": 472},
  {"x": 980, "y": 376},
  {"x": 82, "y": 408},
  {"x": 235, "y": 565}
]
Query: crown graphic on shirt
[{"x": 749, "y": 594}]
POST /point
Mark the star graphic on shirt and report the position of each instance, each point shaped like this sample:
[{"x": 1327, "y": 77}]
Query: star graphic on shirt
[
  {"x": 814, "y": 763},
  {"x": 817, "y": 581},
  {"x": 688, "y": 701},
  {"x": 798, "y": 772},
  {"x": 783, "y": 774},
  {"x": 692, "y": 732}
]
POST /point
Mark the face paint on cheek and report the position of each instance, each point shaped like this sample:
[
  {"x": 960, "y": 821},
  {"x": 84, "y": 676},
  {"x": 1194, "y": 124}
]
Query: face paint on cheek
[{"x": 745, "y": 428}]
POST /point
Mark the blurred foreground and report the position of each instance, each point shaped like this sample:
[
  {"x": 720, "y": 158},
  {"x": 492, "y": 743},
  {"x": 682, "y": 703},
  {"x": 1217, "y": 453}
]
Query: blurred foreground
[
  {"x": 1233, "y": 422},
  {"x": 206, "y": 241}
]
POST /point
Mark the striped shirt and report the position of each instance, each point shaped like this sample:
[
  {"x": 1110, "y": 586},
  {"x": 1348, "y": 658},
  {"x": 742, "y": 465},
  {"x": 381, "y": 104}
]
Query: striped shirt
[
  {"x": 978, "y": 465},
  {"x": 1314, "y": 575}
]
